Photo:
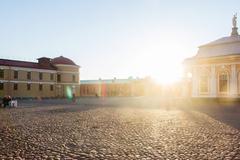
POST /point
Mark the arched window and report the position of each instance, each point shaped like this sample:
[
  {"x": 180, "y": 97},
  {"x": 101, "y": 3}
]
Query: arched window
[
  {"x": 223, "y": 82},
  {"x": 203, "y": 84}
]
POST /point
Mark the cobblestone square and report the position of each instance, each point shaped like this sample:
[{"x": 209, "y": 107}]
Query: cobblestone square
[{"x": 100, "y": 129}]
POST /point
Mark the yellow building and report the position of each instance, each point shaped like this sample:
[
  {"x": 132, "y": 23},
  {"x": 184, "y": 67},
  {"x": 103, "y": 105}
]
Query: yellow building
[
  {"x": 57, "y": 77},
  {"x": 113, "y": 87}
]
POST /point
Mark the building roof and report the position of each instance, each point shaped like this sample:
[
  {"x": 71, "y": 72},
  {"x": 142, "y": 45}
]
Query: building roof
[
  {"x": 24, "y": 64},
  {"x": 220, "y": 47},
  {"x": 225, "y": 46},
  {"x": 62, "y": 60},
  {"x": 224, "y": 40}
]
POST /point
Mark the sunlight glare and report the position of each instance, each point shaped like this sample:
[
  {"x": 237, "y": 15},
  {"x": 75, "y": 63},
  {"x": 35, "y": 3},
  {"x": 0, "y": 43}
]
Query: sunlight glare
[
  {"x": 160, "y": 57},
  {"x": 168, "y": 75}
]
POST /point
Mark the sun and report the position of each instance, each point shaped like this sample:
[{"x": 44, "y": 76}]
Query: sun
[
  {"x": 168, "y": 70},
  {"x": 168, "y": 75},
  {"x": 161, "y": 57},
  {"x": 165, "y": 80}
]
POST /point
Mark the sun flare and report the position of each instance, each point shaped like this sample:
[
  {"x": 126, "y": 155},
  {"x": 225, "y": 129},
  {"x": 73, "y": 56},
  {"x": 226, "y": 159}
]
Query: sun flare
[
  {"x": 168, "y": 75},
  {"x": 160, "y": 57}
]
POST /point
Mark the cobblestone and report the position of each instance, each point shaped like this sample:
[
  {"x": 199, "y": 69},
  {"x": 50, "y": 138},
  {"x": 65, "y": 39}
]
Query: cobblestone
[{"x": 99, "y": 132}]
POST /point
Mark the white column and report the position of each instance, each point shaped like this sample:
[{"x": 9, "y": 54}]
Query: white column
[
  {"x": 213, "y": 82},
  {"x": 233, "y": 80},
  {"x": 194, "y": 82}
]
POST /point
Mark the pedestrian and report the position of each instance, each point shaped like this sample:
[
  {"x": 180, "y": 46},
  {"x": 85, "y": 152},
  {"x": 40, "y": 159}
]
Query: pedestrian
[
  {"x": 6, "y": 101},
  {"x": 73, "y": 98}
]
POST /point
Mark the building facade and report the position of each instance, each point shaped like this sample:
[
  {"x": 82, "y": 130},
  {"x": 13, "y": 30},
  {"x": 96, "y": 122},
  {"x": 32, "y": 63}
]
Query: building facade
[
  {"x": 57, "y": 77},
  {"x": 113, "y": 87},
  {"x": 215, "y": 70}
]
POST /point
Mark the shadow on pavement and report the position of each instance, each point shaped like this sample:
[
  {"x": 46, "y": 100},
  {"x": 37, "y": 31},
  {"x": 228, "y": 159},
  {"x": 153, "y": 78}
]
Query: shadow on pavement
[{"x": 228, "y": 114}]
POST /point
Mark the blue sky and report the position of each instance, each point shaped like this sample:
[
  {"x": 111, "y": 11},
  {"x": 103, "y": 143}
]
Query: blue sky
[{"x": 113, "y": 38}]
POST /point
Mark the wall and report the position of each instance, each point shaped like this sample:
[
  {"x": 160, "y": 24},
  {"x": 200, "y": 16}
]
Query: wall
[{"x": 46, "y": 82}]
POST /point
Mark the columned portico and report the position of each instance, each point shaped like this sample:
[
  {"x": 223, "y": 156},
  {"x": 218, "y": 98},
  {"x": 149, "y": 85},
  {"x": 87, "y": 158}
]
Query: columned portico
[
  {"x": 233, "y": 81},
  {"x": 213, "y": 83},
  {"x": 215, "y": 68}
]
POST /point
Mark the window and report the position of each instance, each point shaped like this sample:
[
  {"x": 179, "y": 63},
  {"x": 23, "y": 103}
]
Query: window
[
  {"x": 73, "y": 78},
  {"x": 29, "y": 75},
  {"x": 58, "y": 77},
  {"x": 28, "y": 87},
  {"x": 223, "y": 82},
  {"x": 15, "y": 86},
  {"x": 40, "y": 87},
  {"x": 51, "y": 76},
  {"x": 51, "y": 87},
  {"x": 1, "y": 73},
  {"x": 40, "y": 76},
  {"x": 15, "y": 74},
  {"x": 203, "y": 83},
  {"x": 1, "y": 86}
]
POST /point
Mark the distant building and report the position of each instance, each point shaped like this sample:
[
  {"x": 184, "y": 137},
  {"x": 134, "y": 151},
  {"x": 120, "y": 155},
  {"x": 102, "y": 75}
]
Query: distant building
[
  {"x": 57, "y": 77},
  {"x": 113, "y": 87},
  {"x": 215, "y": 70}
]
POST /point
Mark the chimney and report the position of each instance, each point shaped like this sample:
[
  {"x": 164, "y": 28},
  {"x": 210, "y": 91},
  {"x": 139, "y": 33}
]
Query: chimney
[{"x": 44, "y": 61}]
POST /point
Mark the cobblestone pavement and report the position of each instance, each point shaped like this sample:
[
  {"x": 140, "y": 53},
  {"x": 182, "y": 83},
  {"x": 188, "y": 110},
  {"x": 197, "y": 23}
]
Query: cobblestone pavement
[{"x": 123, "y": 132}]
